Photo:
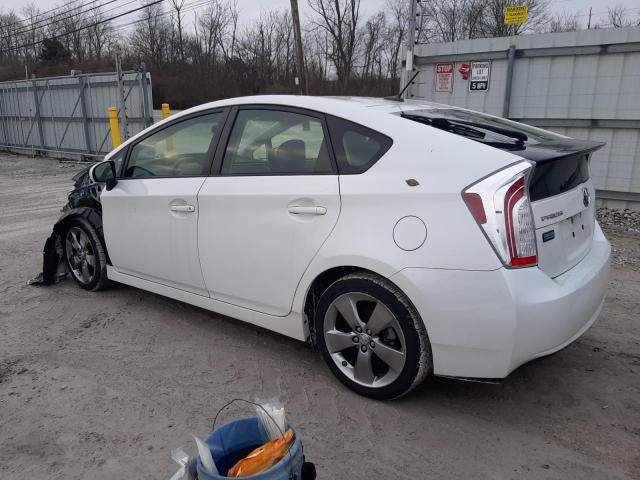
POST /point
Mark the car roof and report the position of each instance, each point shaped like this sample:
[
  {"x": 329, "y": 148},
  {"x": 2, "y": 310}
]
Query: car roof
[
  {"x": 368, "y": 111},
  {"x": 328, "y": 104}
]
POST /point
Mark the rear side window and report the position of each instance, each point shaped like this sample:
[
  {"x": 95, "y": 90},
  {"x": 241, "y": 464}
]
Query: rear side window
[{"x": 356, "y": 147}]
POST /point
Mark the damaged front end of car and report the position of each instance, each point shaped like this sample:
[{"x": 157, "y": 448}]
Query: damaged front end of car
[{"x": 84, "y": 202}]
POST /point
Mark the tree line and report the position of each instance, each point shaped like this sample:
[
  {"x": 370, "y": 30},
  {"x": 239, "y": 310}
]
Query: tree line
[{"x": 200, "y": 50}]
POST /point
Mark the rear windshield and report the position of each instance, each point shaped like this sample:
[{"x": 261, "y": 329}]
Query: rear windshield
[
  {"x": 478, "y": 126},
  {"x": 558, "y": 176}
]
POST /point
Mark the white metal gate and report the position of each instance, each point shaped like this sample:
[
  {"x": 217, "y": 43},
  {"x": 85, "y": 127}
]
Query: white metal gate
[{"x": 69, "y": 115}]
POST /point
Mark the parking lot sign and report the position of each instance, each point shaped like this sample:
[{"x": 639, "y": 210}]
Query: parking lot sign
[
  {"x": 479, "y": 76},
  {"x": 444, "y": 77}
]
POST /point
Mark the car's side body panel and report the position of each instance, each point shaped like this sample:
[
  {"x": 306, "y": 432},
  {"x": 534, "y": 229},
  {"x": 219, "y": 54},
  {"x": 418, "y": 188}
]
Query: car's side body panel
[
  {"x": 253, "y": 249},
  {"x": 293, "y": 325},
  {"x": 145, "y": 238}
]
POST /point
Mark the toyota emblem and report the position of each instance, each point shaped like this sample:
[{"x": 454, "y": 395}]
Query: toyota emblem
[{"x": 586, "y": 197}]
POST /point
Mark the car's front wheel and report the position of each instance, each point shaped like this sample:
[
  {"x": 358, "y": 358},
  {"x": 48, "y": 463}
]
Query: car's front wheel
[
  {"x": 85, "y": 255},
  {"x": 372, "y": 337}
]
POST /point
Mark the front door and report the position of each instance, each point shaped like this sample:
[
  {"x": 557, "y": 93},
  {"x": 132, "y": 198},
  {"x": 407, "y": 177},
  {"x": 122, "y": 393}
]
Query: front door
[
  {"x": 265, "y": 216},
  {"x": 150, "y": 218}
]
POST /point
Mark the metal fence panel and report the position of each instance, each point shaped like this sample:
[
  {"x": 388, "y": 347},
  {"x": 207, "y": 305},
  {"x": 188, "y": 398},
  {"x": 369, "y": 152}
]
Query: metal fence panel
[
  {"x": 582, "y": 84},
  {"x": 69, "y": 115}
]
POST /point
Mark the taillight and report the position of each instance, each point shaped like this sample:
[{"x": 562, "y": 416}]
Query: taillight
[{"x": 500, "y": 204}]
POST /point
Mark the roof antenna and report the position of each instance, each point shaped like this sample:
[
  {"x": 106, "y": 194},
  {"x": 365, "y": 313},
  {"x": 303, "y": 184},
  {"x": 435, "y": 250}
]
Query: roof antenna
[{"x": 398, "y": 98}]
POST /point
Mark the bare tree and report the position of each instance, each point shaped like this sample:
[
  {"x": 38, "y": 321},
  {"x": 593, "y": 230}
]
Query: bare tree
[
  {"x": 31, "y": 31},
  {"x": 149, "y": 39},
  {"x": 228, "y": 38},
  {"x": 493, "y": 19},
  {"x": 617, "y": 17},
  {"x": 10, "y": 37},
  {"x": 397, "y": 31},
  {"x": 373, "y": 37},
  {"x": 444, "y": 18},
  {"x": 339, "y": 18},
  {"x": 99, "y": 34},
  {"x": 210, "y": 29},
  {"x": 177, "y": 7},
  {"x": 72, "y": 25},
  {"x": 450, "y": 20},
  {"x": 563, "y": 22}
]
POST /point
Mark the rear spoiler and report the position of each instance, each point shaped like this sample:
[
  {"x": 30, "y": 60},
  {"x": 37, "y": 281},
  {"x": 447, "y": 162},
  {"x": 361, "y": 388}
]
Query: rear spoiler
[{"x": 557, "y": 149}]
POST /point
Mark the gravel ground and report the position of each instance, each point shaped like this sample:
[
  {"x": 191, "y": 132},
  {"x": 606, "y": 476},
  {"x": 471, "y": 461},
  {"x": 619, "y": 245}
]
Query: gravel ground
[
  {"x": 623, "y": 230},
  {"x": 104, "y": 385}
]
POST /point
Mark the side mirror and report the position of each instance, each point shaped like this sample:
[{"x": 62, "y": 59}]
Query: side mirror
[{"x": 104, "y": 172}]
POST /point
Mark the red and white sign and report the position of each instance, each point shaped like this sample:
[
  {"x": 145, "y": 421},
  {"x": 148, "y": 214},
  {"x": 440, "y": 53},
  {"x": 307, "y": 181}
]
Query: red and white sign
[{"x": 444, "y": 77}]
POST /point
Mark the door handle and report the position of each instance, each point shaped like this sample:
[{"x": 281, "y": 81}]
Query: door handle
[
  {"x": 182, "y": 208},
  {"x": 298, "y": 210}
]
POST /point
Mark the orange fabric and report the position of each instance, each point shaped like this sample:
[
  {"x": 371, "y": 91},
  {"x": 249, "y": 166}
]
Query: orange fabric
[{"x": 263, "y": 457}]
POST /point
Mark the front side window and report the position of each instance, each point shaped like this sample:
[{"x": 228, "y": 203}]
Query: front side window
[
  {"x": 180, "y": 150},
  {"x": 265, "y": 142},
  {"x": 356, "y": 147}
]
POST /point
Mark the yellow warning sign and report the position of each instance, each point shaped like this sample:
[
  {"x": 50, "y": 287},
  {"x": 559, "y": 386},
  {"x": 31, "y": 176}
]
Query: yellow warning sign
[{"x": 516, "y": 14}]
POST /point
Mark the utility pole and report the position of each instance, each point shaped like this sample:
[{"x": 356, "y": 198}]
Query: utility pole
[
  {"x": 122, "y": 101},
  {"x": 589, "y": 23},
  {"x": 302, "y": 78},
  {"x": 413, "y": 13},
  {"x": 411, "y": 42}
]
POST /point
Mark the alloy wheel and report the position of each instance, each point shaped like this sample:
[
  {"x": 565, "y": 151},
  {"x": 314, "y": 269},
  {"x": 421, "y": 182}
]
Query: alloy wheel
[
  {"x": 364, "y": 339},
  {"x": 80, "y": 254}
]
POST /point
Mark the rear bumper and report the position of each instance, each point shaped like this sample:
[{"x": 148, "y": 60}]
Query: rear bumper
[{"x": 485, "y": 324}]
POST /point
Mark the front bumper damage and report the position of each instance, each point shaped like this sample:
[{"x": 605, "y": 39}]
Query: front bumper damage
[{"x": 83, "y": 201}]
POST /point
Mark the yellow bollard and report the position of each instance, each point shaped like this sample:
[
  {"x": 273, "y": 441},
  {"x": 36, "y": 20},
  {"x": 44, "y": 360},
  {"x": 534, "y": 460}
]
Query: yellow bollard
[
  {"x": 165, "y": 110},
  {"x": 115, "y": 127},
  {"x": 169, "y": 141}
]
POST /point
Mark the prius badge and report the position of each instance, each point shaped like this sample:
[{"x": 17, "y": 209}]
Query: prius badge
[{"x": 586, "y": 197}]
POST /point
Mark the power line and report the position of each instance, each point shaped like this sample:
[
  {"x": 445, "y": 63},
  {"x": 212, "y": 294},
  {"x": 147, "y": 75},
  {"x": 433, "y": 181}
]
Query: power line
[
  {"x": 187, "y": 7},
  {"x": 95, "y": 24},
  {"x": 40, "y": 14},
  {"x": 55, "y": 19}
]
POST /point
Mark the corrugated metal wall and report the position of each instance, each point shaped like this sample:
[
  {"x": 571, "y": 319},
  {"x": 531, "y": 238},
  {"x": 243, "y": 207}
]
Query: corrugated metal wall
[
  {"x": 69, "y": 115},
  {"x": 582, "y": 84}
]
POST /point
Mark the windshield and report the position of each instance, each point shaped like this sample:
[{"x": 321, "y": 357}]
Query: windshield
[{"x": 481, "y": 127}]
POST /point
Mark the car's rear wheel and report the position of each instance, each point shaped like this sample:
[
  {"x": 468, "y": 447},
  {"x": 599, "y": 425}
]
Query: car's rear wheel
[
  {"x": 85, "y": 255},
  {"x": 372, "y": 337}
]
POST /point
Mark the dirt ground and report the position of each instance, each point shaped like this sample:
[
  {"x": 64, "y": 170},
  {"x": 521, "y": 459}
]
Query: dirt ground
[{"x": 104, "y": 385}]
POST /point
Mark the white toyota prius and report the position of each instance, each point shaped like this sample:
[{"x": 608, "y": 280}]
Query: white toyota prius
[{"x": 402, "y": 238}]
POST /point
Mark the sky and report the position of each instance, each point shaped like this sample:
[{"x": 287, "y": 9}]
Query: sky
[{"x": 249, "y": 9}]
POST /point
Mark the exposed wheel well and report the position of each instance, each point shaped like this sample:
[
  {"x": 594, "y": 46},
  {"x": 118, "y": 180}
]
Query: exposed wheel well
[{"x": 319, "y": 285}]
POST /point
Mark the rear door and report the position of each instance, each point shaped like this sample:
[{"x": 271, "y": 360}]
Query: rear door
[
  {"x": 151, "y": 216},
  {"x": 270, "y": 205}
]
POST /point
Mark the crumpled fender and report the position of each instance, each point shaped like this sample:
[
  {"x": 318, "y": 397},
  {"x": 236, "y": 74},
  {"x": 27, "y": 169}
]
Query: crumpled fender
[{"x": 53, "y": 265}]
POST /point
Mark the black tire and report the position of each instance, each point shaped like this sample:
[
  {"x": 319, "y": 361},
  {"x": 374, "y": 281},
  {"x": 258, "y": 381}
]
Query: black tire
[
  {"x": 418, "y": 363},
  {"x": 98, "y": 272}
]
